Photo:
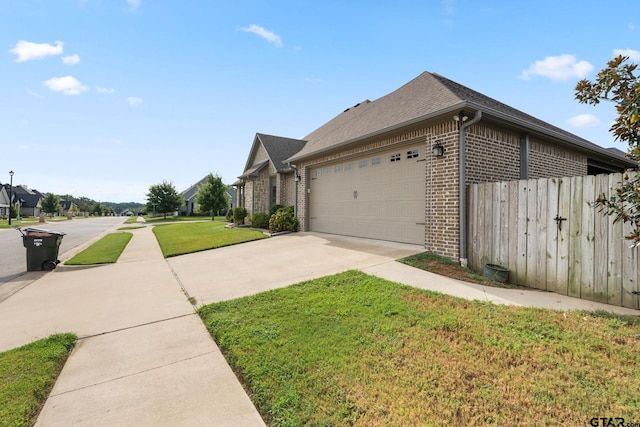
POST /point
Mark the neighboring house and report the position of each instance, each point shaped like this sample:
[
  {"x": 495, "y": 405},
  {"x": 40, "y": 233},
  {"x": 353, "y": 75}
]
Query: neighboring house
[
  {"x": 391, "y": 169},
  {"x": 189, "y": 196},
  {"x": 4, "y": 203},
  {"x": 29, "y": 200},
  {"x": 267, "y": 180},
  {"x": 67, "y": 207}
]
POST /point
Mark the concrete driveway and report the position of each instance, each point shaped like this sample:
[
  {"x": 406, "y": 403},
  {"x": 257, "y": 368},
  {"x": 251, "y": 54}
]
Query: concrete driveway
[{"x": 254, "y": 267}]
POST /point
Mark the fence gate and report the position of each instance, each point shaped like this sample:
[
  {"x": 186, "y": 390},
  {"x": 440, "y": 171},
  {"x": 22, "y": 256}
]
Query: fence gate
[{"x": 548, "y": 235}]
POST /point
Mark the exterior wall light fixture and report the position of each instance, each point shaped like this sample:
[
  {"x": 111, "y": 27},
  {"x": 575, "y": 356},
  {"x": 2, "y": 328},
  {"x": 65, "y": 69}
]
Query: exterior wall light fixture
[
  {"x": 461, "y": 117},
  {"x": 438, "y": 149}
]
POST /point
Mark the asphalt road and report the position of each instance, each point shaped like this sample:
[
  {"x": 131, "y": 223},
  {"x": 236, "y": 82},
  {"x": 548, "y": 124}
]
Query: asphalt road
[{"x": 79, "y": 231}]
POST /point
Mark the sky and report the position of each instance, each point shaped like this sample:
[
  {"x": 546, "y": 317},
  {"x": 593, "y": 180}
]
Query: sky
[{"x": 104, "y": 98}]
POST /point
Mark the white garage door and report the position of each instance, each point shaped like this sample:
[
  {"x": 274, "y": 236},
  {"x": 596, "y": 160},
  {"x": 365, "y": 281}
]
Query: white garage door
[{"x": 379, "y": 196}]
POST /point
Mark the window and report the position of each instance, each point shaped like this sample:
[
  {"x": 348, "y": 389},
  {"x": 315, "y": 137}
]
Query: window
[
  {"x": 318, "y": 172},
  {"x": 395, "y": 157},
  {"x": 348, "y": 166},
  {"x": 376, "y": 161},
  {"x": 411, "y": 154},
  {"x": 273, "y": 191},
  {"x": 338, "y": 168},
  {"x": 363, "y": 163},
  {"x": 326, "y": 171}
]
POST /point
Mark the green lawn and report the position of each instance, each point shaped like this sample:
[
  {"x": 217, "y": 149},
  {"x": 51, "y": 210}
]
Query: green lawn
[
  {"x": 27, "y": 375},
  {"x": 356, "y": 349},
  {"x": 189, "y": 237},
  {"x": 105, "y": 251}
]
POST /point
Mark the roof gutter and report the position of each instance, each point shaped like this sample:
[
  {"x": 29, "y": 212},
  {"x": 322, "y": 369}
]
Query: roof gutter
[{"x": 462, "y": 188}]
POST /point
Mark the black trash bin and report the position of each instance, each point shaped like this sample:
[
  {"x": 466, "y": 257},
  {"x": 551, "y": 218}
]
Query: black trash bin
[{"x": 42, "y": 248}]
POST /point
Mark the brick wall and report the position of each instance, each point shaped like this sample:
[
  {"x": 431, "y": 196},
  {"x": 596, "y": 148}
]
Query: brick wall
[{"x": 546, "y": 161}]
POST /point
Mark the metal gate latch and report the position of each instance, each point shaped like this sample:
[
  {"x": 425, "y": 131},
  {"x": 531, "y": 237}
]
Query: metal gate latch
[{"x": 558, "y": 219}]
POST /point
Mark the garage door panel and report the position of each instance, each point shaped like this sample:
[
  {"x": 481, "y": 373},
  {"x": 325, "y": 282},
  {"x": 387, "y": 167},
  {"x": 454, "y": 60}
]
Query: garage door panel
[{"x": 382, "y": 201}]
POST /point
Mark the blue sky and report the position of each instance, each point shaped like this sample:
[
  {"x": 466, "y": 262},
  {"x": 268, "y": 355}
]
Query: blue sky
[{"x": 103, "y": 98}]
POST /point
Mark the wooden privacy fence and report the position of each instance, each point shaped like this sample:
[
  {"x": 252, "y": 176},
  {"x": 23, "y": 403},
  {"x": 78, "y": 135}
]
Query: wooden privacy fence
[{"x": 550, "y": 238}]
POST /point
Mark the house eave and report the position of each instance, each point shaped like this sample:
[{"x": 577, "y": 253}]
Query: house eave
[{"x": 451, "y": 109}]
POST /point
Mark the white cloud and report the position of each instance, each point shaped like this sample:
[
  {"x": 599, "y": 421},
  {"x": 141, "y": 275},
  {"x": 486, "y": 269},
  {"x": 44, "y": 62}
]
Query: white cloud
[
  {"x": 265, "y": 34},
  {"x": 559, "y": 68},
  {"x": 27, "y": 51},
  {"x": 71, "y": 59},
  {"x": 105, "y": 90},
  {"x": 584, "y": 121},
  {"x": 68, "y": 85},
  {"x": 634, "y": 55},
  {"x": 134, "y": 4},
  {"x": 633, "y": 27},
  {"x": 134, "y": 102}
]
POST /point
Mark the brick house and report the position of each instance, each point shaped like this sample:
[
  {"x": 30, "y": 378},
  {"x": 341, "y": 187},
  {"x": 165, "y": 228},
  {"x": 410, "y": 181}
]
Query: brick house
[
  {"x": 392, "y": 168},
  {"x": 267, "y": 180}
]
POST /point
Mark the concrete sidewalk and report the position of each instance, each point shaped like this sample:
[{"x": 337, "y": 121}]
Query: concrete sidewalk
[{"x": 144, "y": 358}]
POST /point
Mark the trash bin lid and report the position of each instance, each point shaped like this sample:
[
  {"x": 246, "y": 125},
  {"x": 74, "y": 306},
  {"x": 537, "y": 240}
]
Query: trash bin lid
[{"x": 42, "y": 230}]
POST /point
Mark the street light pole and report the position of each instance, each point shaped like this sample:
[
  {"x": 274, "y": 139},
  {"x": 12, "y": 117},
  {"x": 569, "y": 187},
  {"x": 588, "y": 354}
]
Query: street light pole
[{"x": 10, "y": 194}]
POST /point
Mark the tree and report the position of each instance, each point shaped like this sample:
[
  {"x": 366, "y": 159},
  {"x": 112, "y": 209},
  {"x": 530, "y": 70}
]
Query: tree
[
  {"x": 619, "y": 84},
  {"x": 210, "y": 196},
  {"x": 163, "y": 198},
  {"x": 50, "y": 204},
  {"x": 97, "y": 209}
]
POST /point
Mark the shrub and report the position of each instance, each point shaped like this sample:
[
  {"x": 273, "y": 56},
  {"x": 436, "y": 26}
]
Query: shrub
[
  {"x": 274, "y": 209},
  {"x": 239, "y": 214},
  {"x": 229, "y": 215},
  {"x": 283, "y": 220},
  {"x": 260, "y": 220}
]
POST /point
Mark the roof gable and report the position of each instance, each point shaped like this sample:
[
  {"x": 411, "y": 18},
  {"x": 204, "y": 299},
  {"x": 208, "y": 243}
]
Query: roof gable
[
  {"x": 277, "y": 148},
  {"x": 419, "y": 97}
]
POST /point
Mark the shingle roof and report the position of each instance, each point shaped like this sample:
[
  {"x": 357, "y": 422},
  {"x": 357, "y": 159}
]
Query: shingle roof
[
  {"x": 280, "y": 149},
  {"x": 191, "y": 192},
  {"x": 428, "y": 95},
  {"x": 29, "y": 198},
  {"x": 253, "y": 171}
]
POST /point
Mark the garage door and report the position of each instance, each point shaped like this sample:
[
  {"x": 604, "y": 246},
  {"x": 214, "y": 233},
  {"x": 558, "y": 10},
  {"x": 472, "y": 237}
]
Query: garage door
[{"x": 379, "y": 196}]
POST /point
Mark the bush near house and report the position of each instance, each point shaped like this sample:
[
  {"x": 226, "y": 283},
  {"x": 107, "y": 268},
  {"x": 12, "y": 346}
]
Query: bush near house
[
  {"x": 274, "y": 209},
  {"x": 260, "y": 220},
  {"x": 239, "y": 214},
  {"x": 283, "y": 220},
  {"x": 229, "y": 215}
]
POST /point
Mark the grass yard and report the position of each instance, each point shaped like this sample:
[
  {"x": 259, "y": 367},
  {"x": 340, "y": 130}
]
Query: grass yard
[
  {"x": 27, "y": 375},
  {"x": 185, "y": 238},
  {"x": 105, "y": 251},
  {"x": 353, "y": 349}
]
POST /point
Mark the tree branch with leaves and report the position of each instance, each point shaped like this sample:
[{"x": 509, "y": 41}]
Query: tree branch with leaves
[{"x": 619, "y": 83}]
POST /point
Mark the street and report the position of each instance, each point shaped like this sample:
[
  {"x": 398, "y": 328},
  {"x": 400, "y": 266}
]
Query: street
[{"x": 79, "y": 231}]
